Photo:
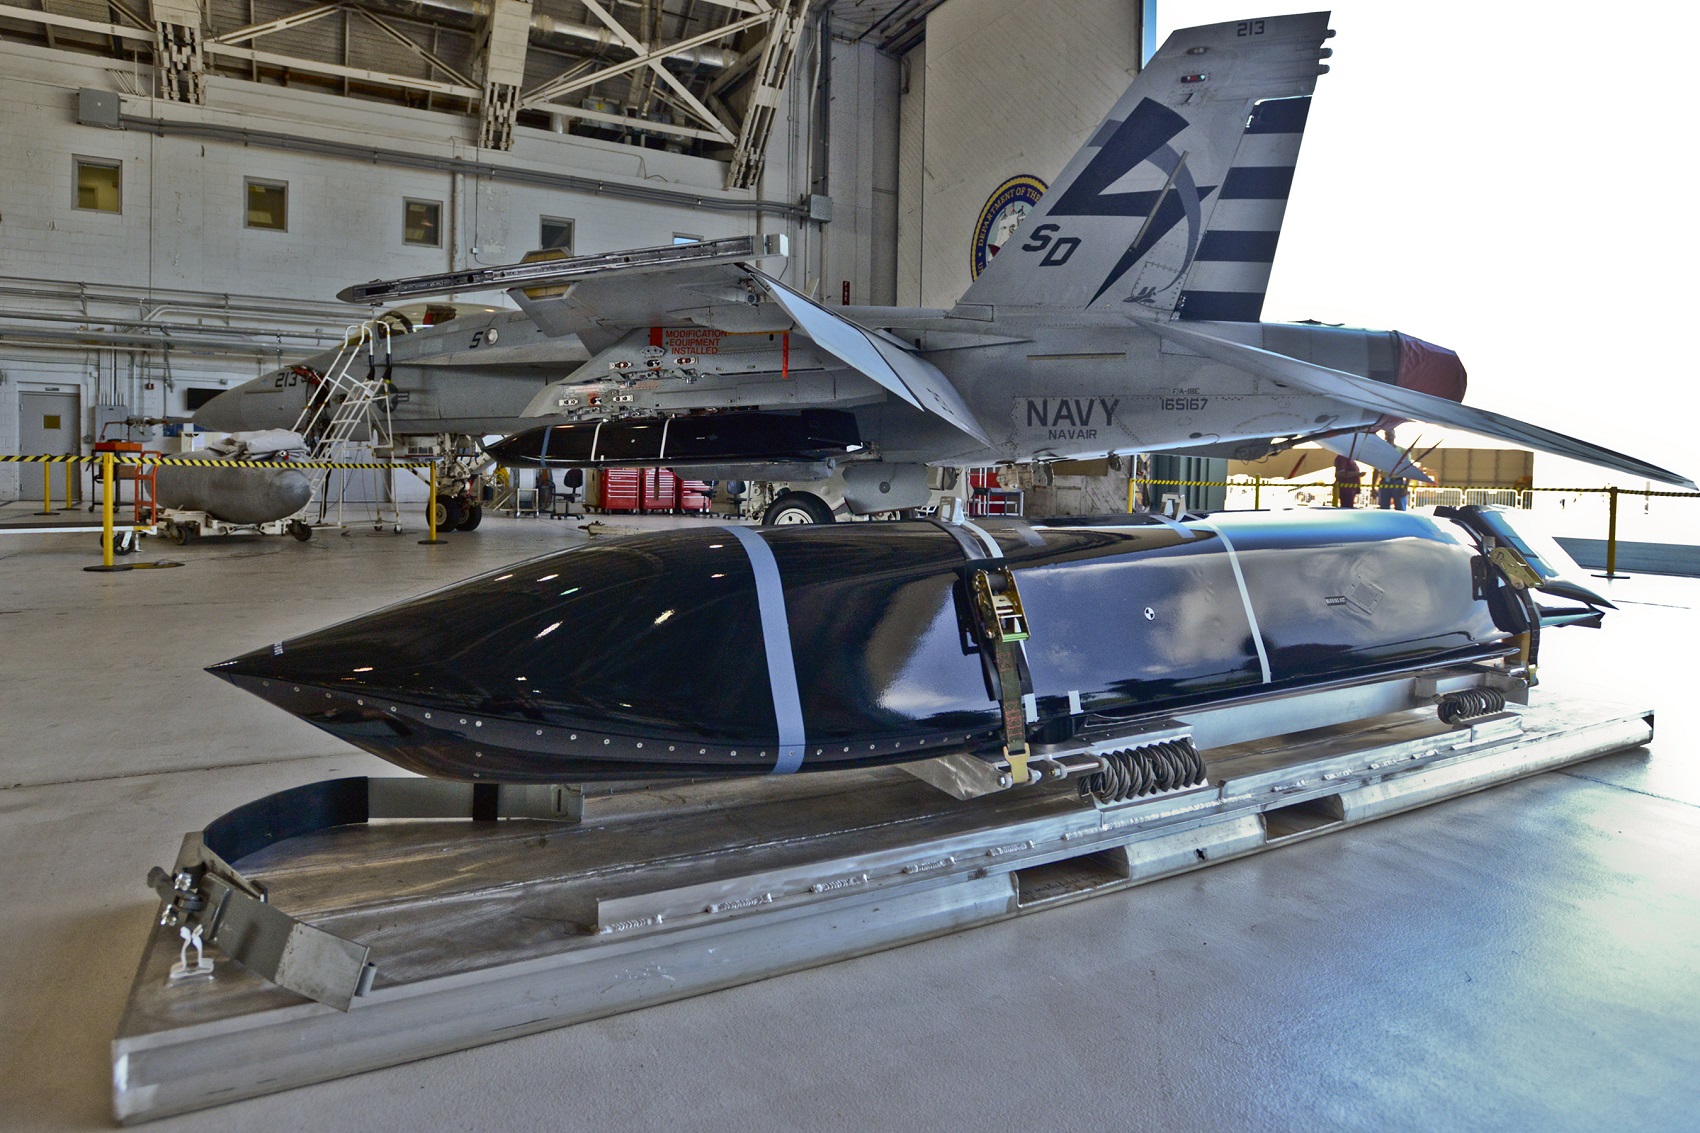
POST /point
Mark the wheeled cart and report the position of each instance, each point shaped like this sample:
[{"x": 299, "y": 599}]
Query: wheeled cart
[
  {"x": 347, "y": 926},
  {"x": 182, "y": 525}
]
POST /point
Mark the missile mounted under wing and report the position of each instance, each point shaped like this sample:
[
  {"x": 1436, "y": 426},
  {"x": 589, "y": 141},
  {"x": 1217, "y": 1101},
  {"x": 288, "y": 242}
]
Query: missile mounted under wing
[
  {"x": 732, "y": 651},
  {"x": 1122, "y": 316}
]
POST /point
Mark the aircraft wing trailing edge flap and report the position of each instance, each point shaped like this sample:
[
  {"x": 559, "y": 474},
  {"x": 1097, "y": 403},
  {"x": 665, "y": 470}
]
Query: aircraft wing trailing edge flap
[
  {"x": 907, "y": 375},
  {"x": 1367, "y": 393}
]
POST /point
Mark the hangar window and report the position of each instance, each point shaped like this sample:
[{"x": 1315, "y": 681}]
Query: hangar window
[
  {"x": 99, "y": 185},
  {"x": 557, "y": 232},
  {"x": 195, "y": 397},
  {"x": 268, "y": 204},
  {"x": 422, "y": 223}
]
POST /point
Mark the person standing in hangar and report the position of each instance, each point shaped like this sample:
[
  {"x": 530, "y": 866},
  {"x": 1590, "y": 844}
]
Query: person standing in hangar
[{"x": 1348, "y": 480}]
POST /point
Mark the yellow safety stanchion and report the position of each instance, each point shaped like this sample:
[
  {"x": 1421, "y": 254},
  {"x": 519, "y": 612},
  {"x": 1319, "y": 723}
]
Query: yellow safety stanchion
[
  {"x": 431, "y": 512},
  {"x": 47, "y": 490},
  {"x": 68, "y": 467},
  {"x": 1611, "y": 537},
  {"x": 106, "y": 489}
]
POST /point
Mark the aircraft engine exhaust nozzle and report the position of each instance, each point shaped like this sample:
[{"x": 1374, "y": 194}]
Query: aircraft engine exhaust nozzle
[{"x": 733, "y": 651}]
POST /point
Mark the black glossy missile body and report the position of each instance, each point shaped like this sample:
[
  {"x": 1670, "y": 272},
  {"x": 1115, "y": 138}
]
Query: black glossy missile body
[{"x": 722, "y": 651}]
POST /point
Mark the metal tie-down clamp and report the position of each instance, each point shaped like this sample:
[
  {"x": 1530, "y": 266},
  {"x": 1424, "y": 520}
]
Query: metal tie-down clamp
[{"x": 1005, "y": 624}]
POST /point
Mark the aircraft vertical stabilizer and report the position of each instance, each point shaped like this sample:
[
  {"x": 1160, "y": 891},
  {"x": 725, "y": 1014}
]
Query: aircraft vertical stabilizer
[{"x": 1176, "y": 201}]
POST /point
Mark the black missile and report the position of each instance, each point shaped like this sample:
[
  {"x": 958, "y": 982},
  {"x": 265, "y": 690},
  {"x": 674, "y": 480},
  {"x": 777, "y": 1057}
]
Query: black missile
[
  {"x": 734, "y": 650},
  {"x": 693, "y": 439}
]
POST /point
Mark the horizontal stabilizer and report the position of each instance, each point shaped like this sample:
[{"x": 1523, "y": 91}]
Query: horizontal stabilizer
[
  {"x": 907, "y": 375},
  {"x": 1367, "y": 448},
  {"x": 540, "y": 273},
  {"x": 1367, "y": 393}
]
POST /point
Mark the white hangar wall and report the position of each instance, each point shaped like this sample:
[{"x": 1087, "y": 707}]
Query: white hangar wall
[
  {"x": 179, "y": 248},
  {"x": 999, "y": 88},
  {"x": 861, "y": 144}
]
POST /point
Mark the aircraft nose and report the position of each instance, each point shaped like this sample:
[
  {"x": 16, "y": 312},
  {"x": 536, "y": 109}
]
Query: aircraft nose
[
  {"x": 272, "y": 401},
  {"x": 223, "y": 414}
]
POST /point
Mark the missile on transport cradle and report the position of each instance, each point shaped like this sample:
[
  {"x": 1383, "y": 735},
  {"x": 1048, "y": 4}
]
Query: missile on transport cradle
[
  {"x": 728, "y": 650},
  {"x": 235, "y": 495}
]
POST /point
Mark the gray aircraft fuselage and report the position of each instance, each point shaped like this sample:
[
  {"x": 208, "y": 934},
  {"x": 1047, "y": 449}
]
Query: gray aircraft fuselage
[{"x": 1041, "y": 389}]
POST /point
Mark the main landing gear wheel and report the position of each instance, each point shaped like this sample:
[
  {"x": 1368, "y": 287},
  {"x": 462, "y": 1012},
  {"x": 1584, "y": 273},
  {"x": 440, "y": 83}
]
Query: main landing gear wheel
[
  {"x": 474, "y": 513},
  {"x": 450, "y": 514},
  {"x": 796, "y": 507},
  {"x": 300, "y": 530}
]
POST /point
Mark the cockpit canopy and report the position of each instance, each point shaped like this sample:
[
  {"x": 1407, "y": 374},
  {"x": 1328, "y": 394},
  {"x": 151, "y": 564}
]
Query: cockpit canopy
[{"x": 415, "y": 316}]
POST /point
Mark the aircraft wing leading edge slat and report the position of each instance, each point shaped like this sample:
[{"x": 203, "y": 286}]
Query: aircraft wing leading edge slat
[
  {"x": 909, "y": 376},
  {"x": 1367, "y": 393},
  {"x": 667, "y": 257}
]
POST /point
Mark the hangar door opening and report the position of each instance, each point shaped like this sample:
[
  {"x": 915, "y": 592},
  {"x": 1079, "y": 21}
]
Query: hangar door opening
[{"x": 48, "y": 426}]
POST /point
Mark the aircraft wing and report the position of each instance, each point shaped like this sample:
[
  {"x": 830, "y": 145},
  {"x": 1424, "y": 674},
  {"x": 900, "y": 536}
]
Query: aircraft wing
[
  {"x": 706, "y": 283},
  {"x": 907, "y": 375},
  {"x": 711, "y": 284},
  {"x": 1367, "y": 393}
]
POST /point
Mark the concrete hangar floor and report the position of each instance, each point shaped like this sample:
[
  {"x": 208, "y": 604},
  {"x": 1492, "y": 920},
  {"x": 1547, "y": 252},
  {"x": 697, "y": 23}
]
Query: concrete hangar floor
[{"x": 1527, "y": 957}]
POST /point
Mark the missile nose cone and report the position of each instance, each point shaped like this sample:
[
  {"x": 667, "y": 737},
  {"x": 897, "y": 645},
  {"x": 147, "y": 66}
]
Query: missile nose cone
[
  {"x": 563, "y": 668},
  {"x": 521, "y": 450}
]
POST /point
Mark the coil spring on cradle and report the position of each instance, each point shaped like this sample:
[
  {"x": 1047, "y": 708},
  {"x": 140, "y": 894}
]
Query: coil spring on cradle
[
  {"x": 1132, "y": 772},
  {"x": 1457, "y": 707}
]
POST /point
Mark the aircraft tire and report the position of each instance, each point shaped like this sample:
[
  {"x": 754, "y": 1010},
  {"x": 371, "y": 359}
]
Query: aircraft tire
[
  {"x": 796, "y": 507},
  {"x": 470, "y": 519},
  {"x": 449, "y": 513}
]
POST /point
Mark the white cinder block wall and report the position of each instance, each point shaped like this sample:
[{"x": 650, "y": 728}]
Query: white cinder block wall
[{"x": 181, "y": 241}]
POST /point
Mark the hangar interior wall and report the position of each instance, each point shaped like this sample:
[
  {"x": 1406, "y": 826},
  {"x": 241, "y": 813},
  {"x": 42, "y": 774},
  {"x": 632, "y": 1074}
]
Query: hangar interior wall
[
  {"x": 999, "y": 88},
  {"x": 861, "y": 140},
  {"x": 179, "y": 251}
]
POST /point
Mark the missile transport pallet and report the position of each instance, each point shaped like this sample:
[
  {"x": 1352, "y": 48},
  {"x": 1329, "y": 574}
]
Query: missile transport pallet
[{"x": 485, "y": 930}]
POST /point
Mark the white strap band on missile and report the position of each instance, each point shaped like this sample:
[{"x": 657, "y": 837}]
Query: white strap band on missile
[
  {"x": 1245, "y": 597},
  {"x": 776, "y": 640}
]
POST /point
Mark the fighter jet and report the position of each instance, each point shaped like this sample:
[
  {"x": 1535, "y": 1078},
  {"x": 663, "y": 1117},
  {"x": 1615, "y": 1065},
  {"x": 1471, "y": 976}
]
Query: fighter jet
[{"x": 1122, "y": 316}]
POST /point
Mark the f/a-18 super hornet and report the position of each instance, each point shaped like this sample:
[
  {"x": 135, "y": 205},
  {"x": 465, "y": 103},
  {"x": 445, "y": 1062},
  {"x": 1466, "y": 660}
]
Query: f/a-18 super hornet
[{"x": 1122, "y": 316}]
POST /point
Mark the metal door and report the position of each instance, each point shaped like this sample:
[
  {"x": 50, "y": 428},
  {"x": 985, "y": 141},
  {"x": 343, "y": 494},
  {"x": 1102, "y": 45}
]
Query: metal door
[{"x": 49, "y": 424}]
